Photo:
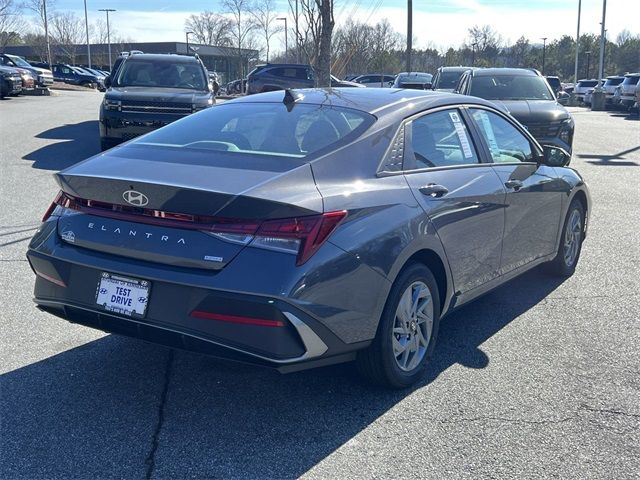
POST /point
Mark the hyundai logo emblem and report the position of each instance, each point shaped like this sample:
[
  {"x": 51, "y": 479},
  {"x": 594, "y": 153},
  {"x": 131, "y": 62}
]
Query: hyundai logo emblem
[{"x": 135, "y": 198}]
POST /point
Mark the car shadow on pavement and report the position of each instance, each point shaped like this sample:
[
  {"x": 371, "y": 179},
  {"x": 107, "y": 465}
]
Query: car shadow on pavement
[
  {"x": 117, "y": 407},
  {"x": 617, "y": 159},
  {"x": 82, "y": 141}
]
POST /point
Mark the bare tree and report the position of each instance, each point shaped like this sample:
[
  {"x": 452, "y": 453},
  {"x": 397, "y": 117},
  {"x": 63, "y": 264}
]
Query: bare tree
[
  {"x": 243, "y": 25},
  {"x": 265, "y": 18},
  {"x": 210, "y": 28},
  {"x": 67, "y": 30},
  {"x": 327, "y": 22},
  {"x": 11, "y": 22}
]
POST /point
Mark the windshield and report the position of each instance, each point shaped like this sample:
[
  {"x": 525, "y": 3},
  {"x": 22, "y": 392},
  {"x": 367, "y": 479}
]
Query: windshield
[
  {"x": 138, "y": 72},
  {"x": 448, "y": 79},
  {"x": 613, "y": 81},
  {"x": 510, "y": 87},
  {"x": 416, "y": 77},
  {"x": 19, "y": 61},
  {"x": 263, "y": 129}
]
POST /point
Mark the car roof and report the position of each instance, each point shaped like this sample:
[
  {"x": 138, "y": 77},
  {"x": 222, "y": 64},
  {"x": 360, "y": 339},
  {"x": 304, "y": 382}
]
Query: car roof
[
  {"x": 482, "y": 72},
  {"x": 163, "y": 56},
  {"x": 459, "y": 68},
  {"x": 378, "y": 101}
]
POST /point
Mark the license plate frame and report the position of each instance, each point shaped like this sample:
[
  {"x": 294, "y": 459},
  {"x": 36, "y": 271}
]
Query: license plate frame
[{"x": 132, "y": 298}]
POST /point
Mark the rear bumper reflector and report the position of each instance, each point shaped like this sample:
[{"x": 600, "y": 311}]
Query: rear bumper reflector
[
  {"x": 51, "y": 279},
  {"x": 236, "y": 319}
]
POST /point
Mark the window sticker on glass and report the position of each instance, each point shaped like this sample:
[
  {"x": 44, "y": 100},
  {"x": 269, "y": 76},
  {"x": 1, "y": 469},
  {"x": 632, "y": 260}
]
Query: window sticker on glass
[
  {"x": 462, "y": 134},
  {"x": 488, "y": 129}
]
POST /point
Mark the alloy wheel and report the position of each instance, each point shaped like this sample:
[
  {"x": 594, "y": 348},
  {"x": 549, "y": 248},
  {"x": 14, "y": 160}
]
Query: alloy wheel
[{"x": 572, "y": 237}]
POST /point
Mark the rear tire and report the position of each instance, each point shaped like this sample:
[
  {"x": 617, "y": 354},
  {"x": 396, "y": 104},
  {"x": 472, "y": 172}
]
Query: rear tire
[
  {"x": 566, "y": 260},
  {"x": 407, "y": 332}
]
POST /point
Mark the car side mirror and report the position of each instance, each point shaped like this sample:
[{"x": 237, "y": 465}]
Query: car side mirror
[
  {"x": 555, "y": 156},
  {"x": 428, "y": 86},
  {"x": 107, "y": 81}
]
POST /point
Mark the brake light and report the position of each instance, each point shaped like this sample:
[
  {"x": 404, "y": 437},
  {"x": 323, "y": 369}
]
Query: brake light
[{"x": 301, "y": 235}]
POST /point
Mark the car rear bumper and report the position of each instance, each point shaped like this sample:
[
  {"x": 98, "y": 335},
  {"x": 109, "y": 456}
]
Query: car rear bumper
[{"x": 184, "y": 310}]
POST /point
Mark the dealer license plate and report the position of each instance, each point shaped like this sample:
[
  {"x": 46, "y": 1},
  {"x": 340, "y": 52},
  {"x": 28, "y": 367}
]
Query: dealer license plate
[{"x": 127, "y": 296}]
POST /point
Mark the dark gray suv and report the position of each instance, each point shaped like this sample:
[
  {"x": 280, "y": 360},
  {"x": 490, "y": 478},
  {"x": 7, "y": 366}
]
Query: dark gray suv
[
  {"x": 280, "y": 76},
  {"x": 525, "y": 94}
]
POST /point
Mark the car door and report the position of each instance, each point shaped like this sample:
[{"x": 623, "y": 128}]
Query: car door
[
  {"x": 533, "y": 198},
  {"x": 462, "y": 196}
]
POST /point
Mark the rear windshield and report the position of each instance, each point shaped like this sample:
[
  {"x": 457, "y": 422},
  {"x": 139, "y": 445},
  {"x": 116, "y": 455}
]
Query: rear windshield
[
  {"x": 448, "y": 79},
  {"x": 587, "y": 83},
  {"x": 555, "y": 84},
  {"x": 614, "y": 81},
  {"x": 510, "y": 87},
  {"x": 263, "y": 129},
  {"x": 138, "y": 72},
  {"x": 631, "y": 80},
  {"x": 416, "y": 77}
]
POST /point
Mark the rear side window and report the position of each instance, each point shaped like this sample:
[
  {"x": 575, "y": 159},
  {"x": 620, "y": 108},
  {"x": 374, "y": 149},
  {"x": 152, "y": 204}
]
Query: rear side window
[
  {"x": 506, "y": 143},
  {"x": 263, "y": 129},
  {"x": 441, "y": 139}
]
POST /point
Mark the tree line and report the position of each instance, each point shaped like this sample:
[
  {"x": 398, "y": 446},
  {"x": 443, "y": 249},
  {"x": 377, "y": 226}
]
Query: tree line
[{"x": 351, "y": 48}]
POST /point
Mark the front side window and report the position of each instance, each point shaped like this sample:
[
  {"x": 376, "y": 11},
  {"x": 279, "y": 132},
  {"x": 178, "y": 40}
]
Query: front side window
[
  {"x": 262, "y": 129},
  {"x": 441, "y": 139},
  {"x": 506, "y": 143},
  {"x": 138, "y": 72}
]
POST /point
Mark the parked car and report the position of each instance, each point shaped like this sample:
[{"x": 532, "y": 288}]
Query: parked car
[
  {"x": 42, "y": 76},
  {"x": 10, "y": 81},
  {"x": 555, "y": 83},
  {"x": 446, "y": 78},
  {"x": 75, "y": 76},
  {"x": 526, "y": 95},
  {"x": 349, "y": 78},
  {"x": 589, "y": 95},
  {"x": 279, "y": 76},
  {"x": 28, "y": 79},
  {"x": 413, "y": 80},
  {"x": 308, "y": 227},
  {"x": 375, "y": 80},
  {"x": 609, "y": 87},
  {"x": 583, "y": 87},
  {"x": 637, "y": 95},
  {"x": 150, "y": 91},
  {"x": 624, "y": 95},
  {"x": 99, "y": 75}
]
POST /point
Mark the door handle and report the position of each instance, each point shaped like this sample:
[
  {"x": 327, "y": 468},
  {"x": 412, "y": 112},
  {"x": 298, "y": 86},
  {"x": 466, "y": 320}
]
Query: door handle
[
  {"x": 434, "y": 190},
  {"x": 515, "y": 184}
]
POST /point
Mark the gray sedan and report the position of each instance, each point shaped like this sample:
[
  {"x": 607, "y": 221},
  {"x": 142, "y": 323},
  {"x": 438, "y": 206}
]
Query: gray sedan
[{"x": 302, "y": 228}]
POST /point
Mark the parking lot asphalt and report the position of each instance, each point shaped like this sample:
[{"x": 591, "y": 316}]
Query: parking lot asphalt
[{"x": 540, "y": 378}]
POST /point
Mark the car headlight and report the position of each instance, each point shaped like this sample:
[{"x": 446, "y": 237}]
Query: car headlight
[
  {"x": 566, "y": 131},
  {"x": 112, "y": 104},
  {"x": 196, "y": 107}
]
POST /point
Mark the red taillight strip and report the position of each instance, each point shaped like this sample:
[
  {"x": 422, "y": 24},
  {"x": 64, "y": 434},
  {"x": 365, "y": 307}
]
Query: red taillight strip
[
  {"x": 236, "y": 319},
  {"x": 60, "y": 283}
]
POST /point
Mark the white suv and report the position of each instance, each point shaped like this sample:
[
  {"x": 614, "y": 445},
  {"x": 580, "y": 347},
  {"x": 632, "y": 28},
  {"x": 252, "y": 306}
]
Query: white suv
[
  {"x": 625, "y": 92},
  {"x": 583, "y": 87}
]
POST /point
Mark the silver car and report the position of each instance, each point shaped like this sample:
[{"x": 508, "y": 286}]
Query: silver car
[{"x": 302, "y": 228}]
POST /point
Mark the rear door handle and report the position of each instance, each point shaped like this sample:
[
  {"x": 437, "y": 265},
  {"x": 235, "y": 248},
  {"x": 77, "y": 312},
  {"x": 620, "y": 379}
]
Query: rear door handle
[
  {"x": 434, "y": 190},
  {"x": 514, "y": 184}
]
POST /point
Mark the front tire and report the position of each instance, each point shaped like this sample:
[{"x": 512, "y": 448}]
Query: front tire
[
  {"x": 407, "y": 331},
  {"x": 566, "y": 260}
]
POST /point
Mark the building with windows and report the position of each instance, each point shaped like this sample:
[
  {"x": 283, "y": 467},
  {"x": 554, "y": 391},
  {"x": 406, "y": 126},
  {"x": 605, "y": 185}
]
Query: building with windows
[{"x": 230, "y": 63}]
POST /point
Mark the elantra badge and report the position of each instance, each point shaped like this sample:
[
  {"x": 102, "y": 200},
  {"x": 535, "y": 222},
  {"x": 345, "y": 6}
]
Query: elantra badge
[{"x": 135, "y": 198}]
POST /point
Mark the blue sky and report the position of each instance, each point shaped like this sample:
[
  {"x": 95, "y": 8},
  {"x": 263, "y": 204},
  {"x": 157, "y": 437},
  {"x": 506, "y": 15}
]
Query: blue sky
[{"x": 439, "y": 23}]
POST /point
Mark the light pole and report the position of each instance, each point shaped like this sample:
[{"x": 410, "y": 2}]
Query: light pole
[
  {"x": 107, "y": 10},
  {"x": 409, "y": 33},
  {"x": 544, "y": 51},
  {"x": 473, "y": 53},
  {"x": 602, "y": 30},
  {"x": 297, "y": 36},
  {"x": 575, "y": 72},
  {"x": 588, "y": 54},
  {"x": 286, "y": 38},
  {"x": 186, "y": 34},
  {"x": 46, "y": 31},
  {"x": 86, "y": 23}
]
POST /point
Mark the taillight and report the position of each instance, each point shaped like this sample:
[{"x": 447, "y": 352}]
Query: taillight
[
  {"x": 301, "y": 235},
  {"x": 57, "y": 201}
]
